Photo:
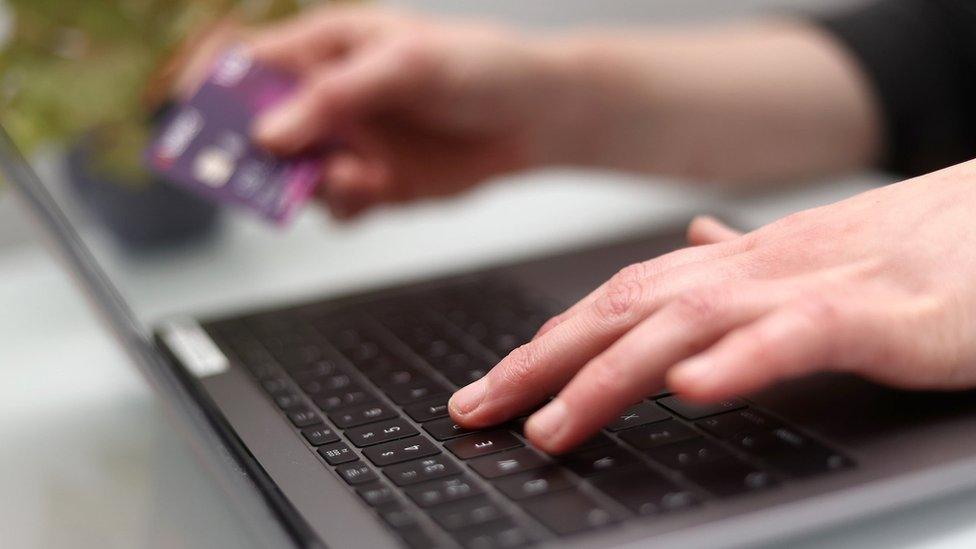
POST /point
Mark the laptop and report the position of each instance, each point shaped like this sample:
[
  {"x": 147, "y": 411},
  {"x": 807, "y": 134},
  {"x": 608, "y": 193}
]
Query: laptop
[{"x": 325, "y": 418}]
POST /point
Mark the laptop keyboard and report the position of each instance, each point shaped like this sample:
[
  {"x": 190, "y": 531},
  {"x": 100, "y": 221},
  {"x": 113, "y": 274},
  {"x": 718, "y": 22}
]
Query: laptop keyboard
[{"x": 367, "y": 386}]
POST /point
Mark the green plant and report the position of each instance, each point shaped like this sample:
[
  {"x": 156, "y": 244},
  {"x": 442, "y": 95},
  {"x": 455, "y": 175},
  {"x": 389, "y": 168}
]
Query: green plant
[{"x": 71, "y": 68}]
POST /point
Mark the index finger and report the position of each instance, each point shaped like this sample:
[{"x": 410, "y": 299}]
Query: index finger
[{"x": 308, "y": 40}]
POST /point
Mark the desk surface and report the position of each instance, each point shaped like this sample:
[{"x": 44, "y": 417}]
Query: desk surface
[{"x": 88, "y": 459}]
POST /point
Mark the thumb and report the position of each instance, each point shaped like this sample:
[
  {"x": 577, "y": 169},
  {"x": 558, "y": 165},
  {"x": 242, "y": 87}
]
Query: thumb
[
  {"x": 705, "y": 229},
  {"x": 338, "y": 94}
]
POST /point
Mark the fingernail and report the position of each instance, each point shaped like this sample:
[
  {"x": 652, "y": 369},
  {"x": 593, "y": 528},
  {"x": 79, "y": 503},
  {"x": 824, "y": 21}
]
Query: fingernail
[
  {"x": 548, "y": 421},
  {"x": 469, "y": 397},
  {"x": 274, "y": 125},
  {"x": 692, "y": 372},
  {"x": 344, "y": 172}
]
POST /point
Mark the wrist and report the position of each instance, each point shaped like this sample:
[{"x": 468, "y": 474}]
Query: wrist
[
  {"x": 596, "y": 109},
  {"x": 569, "y": 119}
]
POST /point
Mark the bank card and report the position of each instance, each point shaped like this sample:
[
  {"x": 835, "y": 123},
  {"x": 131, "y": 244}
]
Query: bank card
[{"x": 204, "y": 143}]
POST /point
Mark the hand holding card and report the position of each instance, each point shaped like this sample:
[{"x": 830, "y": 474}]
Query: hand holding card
[{"x": 204, "y": 144}]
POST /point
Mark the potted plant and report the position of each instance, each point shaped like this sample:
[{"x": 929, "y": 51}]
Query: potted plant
[{"x": 92, "y": 76}]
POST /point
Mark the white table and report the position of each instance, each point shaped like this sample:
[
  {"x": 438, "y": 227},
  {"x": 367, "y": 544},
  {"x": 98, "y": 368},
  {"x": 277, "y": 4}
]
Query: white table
[{"x": 87, "y": 459}]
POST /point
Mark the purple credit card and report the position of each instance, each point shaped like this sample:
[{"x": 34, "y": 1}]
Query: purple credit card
[{"x": 204, "y": 144}]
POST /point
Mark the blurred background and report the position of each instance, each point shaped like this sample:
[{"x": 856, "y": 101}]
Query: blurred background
[
  {"x": 80, "y": 76},
  {"x": 87, "y": 458}
]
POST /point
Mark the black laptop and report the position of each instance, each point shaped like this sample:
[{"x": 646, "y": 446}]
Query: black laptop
[{"x": 327, "y": 416}]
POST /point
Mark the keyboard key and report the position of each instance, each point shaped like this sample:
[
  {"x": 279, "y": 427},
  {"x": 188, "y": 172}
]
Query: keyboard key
[
  {"x": 569, "y": 512},
  {"x": 288, "y": 399},
  {"x": 730, "y": 424},
  {"x": 435, "y": 349},
  {"x": 336, "y": 382},
  {"x": 317, "y": 436},
  {"x": 337, "y": 453},
  {"x": 376, "y": 494},
  {"x": 657, "y": 434},
  {"x": 401, "y": 450},
  {"x": 399, "y": 376},
  {"x": 428, "y": 410},
  {"x": 421, "y": 470},
  {"x": 445, "y": 428},
  {"x": 379, "y": 366},
  {"x": 276, "y": 385},
  {"x": 302, "y": 416},
  {"x": 728, "y": 476},
  {"x": 384, "y": 431},
  {"x": 414, "y": 392},
  {"x": 464, "y": 376},
  {"x": 415, "y": 538},
  {"x": 344, "y": 337},
  {"x": 310, "y": 376},
  {"x": 356, "y": 472},
  {"x": 439, "y": 492},
  {"x": 597, "y": 441},
  {"x": 457, "y": 361},
  {"x": 688, "y": 410},
  {"x": 334, "y": 400},
  {"x": 601, "y": 460},
  {"x": 312, "y": 386},
  {"x": 712, "y": 467},
  {"x": 688, "y": 453},
  {"x": 791, "y": 452},
  {"x": 465, "y": 514},
  {"x": 305, "y": 358},
  {"x": 534, "y": 483},
  {"x": 514, "y": 461},
  {"x": 641, "y": 414},
  {"x": 397, "y": 515},
  {"x": 501, "y": 534},
  {"x": 482, "y": 443},
  {"x": 361, "y": 415},
  {"x": 644, "y": 492},
  {"x": 366, "y": 350}
]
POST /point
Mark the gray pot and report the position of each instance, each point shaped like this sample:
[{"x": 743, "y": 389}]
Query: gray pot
[{"x": 138, "y": 216}]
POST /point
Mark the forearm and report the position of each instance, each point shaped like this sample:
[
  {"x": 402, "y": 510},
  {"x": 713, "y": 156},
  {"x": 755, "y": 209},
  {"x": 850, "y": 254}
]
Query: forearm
[{"x": 756, "y": 102}]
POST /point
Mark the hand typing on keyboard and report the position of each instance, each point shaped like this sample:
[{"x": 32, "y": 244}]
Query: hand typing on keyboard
[
  {"x": 880, "y": 285},
  {"x": 367, "y": 383}
]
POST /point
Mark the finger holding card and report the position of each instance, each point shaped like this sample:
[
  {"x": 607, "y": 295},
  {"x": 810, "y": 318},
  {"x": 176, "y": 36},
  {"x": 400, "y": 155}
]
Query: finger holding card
[{"x": 204, "y": 144}]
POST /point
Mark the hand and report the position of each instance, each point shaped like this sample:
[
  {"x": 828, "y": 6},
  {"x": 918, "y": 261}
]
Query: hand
[
  {"x": 882, "y": 285},
  {"x": 423, "y": 107},
  {"x": 428, "y": 107}
]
